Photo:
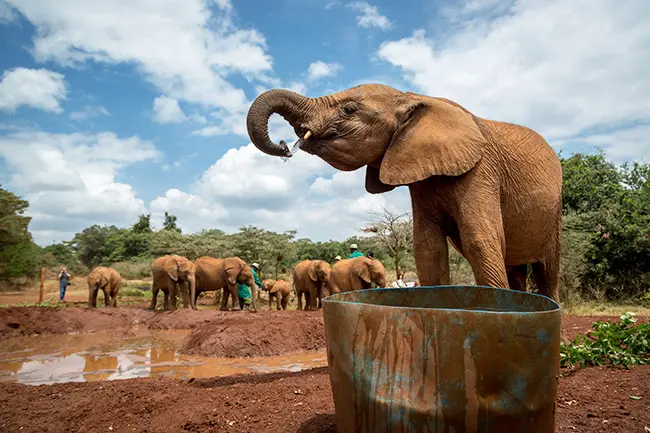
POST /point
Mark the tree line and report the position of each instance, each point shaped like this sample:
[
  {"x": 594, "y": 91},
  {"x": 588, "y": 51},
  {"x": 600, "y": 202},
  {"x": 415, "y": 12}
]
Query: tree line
[{"x": 606, "y": 238}]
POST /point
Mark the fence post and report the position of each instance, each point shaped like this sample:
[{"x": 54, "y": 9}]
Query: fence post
[{"x": 40, "y": 292}]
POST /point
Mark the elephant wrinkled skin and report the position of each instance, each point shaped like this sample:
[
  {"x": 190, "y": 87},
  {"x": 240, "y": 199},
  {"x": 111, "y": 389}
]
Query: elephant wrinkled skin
[
  {"x": 169, "y": 273},
  {"x": 311, "y": 279},
  {"x": 108, "y": 280},
  {"x": 493, "y": 189},
  {"x": 357, "y": 274},
  {"x": 217, "y": 274},
  {"x": 278, "y": 289}
]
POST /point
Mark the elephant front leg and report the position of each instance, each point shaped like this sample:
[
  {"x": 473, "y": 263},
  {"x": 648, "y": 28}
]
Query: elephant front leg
[
  {"x": 277, "y": 301},
  {"x": 107, "y": 298},
  {"x": 299, "y": 300},
  {"x": 166, "y": 300},
  {"x": 224, "y": 299},
  {"x": 483, "y": 244},
  {"x": 154, "y": 298},
  {"x": 431, "y": 252}
]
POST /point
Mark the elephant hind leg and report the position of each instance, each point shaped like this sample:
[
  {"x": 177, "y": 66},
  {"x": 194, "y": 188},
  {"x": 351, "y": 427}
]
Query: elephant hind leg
[
  {"x": 546, "y": 278},
  {"x": 517, "y": 277}
]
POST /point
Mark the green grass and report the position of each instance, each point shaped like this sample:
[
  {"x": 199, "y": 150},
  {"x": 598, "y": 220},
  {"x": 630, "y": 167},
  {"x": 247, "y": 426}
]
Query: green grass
[
  {"x": 133, "y": 291},
  {"x": 49, "y": 303}
]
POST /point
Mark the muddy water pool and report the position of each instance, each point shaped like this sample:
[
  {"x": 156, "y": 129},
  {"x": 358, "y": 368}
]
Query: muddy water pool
[{"x": 110, "y": 355}]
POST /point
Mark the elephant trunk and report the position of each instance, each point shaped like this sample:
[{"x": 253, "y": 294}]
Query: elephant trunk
[
  {"x": 92, "y": 295},
  {"x": 192, "y": 287},
  {"x": 254, "y": 295},
  {"x": 290, "y": 105}
]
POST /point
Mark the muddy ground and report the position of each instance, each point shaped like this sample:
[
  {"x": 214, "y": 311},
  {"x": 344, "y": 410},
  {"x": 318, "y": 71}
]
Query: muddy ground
[{"x": 590, "y": 400}]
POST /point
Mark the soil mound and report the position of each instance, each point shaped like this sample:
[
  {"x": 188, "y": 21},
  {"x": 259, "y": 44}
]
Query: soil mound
[
  {"x": 243, "y": 335},
  {"x": 182, "y": 318},
  {"x": 19, "y": 321}
]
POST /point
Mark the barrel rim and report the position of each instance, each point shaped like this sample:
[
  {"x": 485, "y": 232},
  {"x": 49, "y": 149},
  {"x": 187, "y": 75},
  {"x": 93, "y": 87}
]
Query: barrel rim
[{"x": 557, "y": 307}]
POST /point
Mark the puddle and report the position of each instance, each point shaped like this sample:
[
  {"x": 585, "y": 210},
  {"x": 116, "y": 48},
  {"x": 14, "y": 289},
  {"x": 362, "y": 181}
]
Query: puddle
[{"x": 111, "y": 355}]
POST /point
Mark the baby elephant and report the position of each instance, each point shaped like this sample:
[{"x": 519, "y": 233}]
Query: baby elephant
[{"x": 279, "y": 289}]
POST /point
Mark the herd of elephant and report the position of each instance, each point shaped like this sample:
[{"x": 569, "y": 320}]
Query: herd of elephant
[{"x": 312, "y": 279}]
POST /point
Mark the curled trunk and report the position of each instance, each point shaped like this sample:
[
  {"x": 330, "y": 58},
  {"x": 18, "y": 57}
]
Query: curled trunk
[{"x": 287, "y": 104}]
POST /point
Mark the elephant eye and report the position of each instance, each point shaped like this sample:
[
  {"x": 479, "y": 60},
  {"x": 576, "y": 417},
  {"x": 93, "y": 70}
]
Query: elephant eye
[{"x": 349, "y": 108}]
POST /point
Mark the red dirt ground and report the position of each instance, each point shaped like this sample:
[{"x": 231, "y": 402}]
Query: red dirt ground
[{"x": 589, "y": 400}]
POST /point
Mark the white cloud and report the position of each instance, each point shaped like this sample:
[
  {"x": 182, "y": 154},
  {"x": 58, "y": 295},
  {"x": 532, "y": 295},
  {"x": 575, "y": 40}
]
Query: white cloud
[
  {"x": 246, "y": 186},
  {"x": 167, "y": 110},
  {"x": 370, "y": 16},
  {"x": 7, "y": 13},
  {"x": 70, "y": 179},
  {"x": 622, "y": 145},
  {"x": 37, "y": 88},
  {"x": 589, "y": 68},
  {"x": 319, "y": 70},
  {"x": 184, "y": 47},
  {"x": 88, "y": 112}
]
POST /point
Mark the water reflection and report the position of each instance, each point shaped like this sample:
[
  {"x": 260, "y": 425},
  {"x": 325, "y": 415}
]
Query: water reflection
[{"x": 118, "y": 355}]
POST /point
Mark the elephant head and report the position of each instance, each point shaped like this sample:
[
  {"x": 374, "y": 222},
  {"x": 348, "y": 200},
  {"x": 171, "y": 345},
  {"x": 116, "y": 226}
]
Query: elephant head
[
  {"x": 369, "y": 271},
  {"x": 401, "y": 137},
  {"x": 319, "y": 272},
  {"x": 268, "y": 285},
  {"x": 237, "y": 270},
  {"x": 180, "y": 269}
]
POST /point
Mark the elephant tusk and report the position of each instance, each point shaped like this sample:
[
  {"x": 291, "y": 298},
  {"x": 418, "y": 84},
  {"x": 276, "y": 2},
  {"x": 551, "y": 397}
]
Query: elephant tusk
[{"x": 307, "y": 135}]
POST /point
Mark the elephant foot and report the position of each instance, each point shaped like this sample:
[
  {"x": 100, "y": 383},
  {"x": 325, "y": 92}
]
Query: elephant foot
[{"x": 235, "y": 309}]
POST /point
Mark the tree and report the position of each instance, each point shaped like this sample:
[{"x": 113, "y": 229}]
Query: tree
[
  {"x": 143, "y": 225},
  {"x": 13, "y": 223},
  {"x": 170, "y": 223},
  {"x": 395, "y": 233},
  {"x": 91, "y": 244},
  {"x": 19, "y": 255}
]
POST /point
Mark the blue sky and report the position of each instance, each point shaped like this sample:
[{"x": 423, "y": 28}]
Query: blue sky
[{"x": 112, "y": 109}]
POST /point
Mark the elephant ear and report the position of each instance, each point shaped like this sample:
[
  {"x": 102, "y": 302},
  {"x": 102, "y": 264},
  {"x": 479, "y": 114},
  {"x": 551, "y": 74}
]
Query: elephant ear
[
  {"x": 373, "y": 184},
  {"x": 171, "y": 268},
  {"x": 103, "y": 280},
  {"x": 311, "y": 271},
  {"x": 233, "y": 268},
  {"x": 435, "y": 138},
  {"x": 362, "y": 270}
]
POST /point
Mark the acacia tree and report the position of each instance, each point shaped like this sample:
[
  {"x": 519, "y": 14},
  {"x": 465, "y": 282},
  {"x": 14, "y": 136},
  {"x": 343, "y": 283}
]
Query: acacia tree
[{"x": 394, "y": 232}]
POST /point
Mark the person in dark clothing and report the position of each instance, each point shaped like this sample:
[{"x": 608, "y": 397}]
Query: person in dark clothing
[
  {"x": 370, "y": 255},
  {"x": 64, "y": 282}
]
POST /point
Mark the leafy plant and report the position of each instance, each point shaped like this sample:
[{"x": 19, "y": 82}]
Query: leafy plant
[{"x": 610, "y": 343}]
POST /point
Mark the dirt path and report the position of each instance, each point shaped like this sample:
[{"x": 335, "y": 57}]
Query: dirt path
[{"x": 592, "y": 400}]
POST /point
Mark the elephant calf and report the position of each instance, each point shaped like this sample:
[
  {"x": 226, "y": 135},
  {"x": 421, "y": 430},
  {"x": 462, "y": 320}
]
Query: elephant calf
[
  {"x": 279, "y": 289},
  {"x": 356, "y": 274},
  {"x": 107, "y": 279}
]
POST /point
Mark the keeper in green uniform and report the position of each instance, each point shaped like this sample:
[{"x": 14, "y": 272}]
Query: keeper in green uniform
[
  {"x": 354, "y": 252},
  {"x": 244, "y": 292}
]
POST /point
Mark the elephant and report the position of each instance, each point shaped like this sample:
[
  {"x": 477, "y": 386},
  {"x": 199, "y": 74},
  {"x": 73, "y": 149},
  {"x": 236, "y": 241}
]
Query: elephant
[
  {"x": 356, "y": 274},
  {"x": 109, "y": 281},
  {"x": 280, "y": 290},
  {"x": 216, "y": 274},
  {"x": 169, "y": 272},
  {"x": 311, "y": 279},
  {"x": 490, "y": 188}
]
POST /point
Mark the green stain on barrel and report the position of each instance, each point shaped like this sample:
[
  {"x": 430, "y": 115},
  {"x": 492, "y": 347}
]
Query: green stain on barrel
[{"x": 443, "y": 359}]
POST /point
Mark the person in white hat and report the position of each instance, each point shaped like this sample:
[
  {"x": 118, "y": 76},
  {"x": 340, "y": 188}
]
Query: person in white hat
[
  {"x": 337, "y": 258},
  {"x": 354, "y": 252}
]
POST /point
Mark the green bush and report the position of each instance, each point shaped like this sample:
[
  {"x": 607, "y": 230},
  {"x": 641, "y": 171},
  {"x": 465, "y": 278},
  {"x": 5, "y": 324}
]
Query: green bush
[
  {"x": 611, "y": 343},
  {"x": 131, "y": 291}
]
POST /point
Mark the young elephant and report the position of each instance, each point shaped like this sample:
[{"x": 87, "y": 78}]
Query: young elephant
[
  {"x": 218, "y": 274},
  {"x": 494, "y": 189},
  {"x": 311, "y": 279},
  {"x": 356, "y": 274},
  {"x": 280, "y": 290},
  {"x": 106, "y": 279},
  {"x": 169, "y": 273}
]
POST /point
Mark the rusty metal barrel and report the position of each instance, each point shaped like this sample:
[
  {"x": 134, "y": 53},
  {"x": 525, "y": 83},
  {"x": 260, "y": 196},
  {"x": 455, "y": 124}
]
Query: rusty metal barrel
[{"x": 443, "y": 359}]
